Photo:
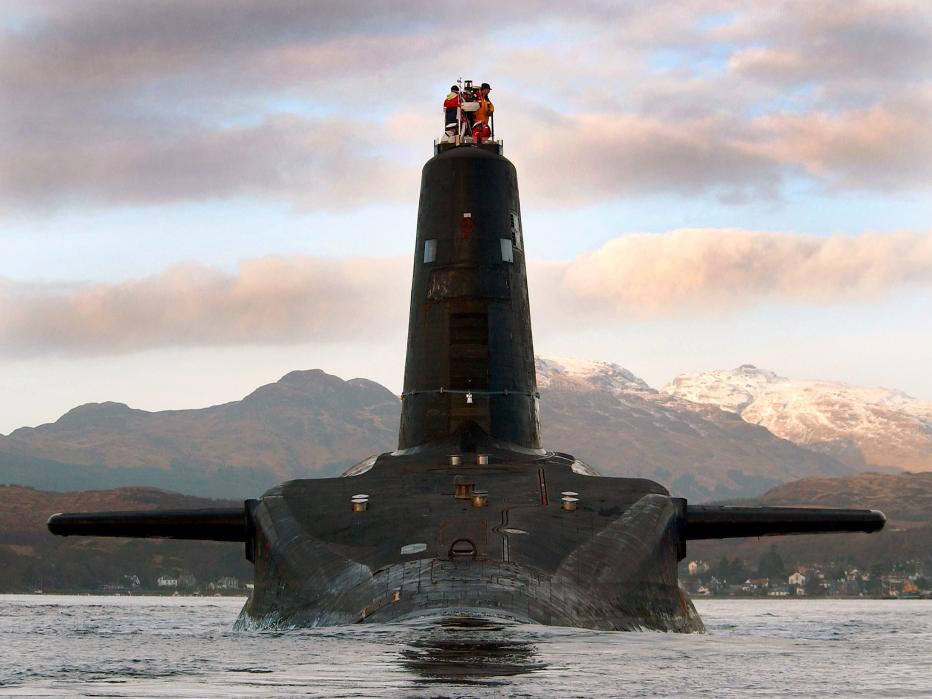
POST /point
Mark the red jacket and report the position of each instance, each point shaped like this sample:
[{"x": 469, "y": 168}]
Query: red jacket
[{"x": 452, "y": 101}]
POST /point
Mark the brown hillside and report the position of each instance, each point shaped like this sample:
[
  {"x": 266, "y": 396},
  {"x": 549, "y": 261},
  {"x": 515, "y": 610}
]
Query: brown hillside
[
  {"x": 25, "y": 510},
  {"x": 308, "y": 423},
  {"x": 905, "y": 497},
  {"x": 32, "y": 558}
]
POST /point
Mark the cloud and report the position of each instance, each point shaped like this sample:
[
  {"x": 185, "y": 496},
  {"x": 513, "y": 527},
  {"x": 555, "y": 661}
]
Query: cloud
[
  {"x": 587, "y": 158},
  {"x": 121, "y": 103},
  {"x": 267, "y": 301},
  {"x": 711, "y": 271},
  {"x": 633, "y": 278},
  {"x": 103, "y": 47},
  {"x": 312, "y": 163},
  {"x": 577, "y": 159},
  {"x": 884, "y": 148},
  {"x": 871, "y": 43}
]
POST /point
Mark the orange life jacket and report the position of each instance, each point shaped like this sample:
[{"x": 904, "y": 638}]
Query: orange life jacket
[{"x": 485, "y": 110}]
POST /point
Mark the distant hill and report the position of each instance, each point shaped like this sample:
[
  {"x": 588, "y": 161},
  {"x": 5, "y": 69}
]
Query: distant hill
[
  {"x": 865, "y": 427},
  {"x": 905, "y": 498},
  {"x": 307, "y": 424},
  {"x": 605, "y": 415},
  {"x": 32, "y": 558}
]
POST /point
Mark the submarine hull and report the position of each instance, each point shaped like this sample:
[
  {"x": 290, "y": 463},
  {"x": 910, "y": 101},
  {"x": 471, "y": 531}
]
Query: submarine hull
[
  {"x": 470, "y": 517},
  {"x": 417, "y": 550},
  {"x": 421, "y": 546}
]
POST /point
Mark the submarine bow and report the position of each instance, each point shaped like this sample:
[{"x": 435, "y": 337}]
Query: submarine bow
[{"x": 470, "y": 515}]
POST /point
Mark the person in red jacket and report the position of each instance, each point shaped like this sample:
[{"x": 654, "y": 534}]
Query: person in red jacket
[{"x": 451, "y": 107}]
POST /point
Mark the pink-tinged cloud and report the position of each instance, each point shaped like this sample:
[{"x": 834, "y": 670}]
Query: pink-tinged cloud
[
  {"x": 886, "y": 147},
  {"x": 711, "y": 271},
  {"x": 305, "y": 299},
  {"x": 267, "y": 301}
]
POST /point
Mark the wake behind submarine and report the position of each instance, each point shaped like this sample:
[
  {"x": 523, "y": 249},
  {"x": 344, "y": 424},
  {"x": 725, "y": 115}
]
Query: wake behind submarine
[{"x": 469, "y": 516}]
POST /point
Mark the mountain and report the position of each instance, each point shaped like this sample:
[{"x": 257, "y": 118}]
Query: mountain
[
  {"x": 31, "y": 558},
  {"x": 569, "y": 374},
  {"x": 313, "y": 424},
  {"x": 864, "y": 427},
  {"x": 308, "y": 423},
  {"x": 613, "y": 420}
]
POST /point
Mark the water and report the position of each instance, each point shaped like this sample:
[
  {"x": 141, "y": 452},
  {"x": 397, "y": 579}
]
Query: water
[{"x": 184, "y": 647}]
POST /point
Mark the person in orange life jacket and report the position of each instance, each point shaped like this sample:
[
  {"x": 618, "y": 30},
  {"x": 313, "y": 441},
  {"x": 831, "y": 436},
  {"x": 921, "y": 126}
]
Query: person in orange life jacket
[
  {"x": 450, "y": 106},
  {"x": 485, "y": 105},
  {"x": 480, "y": 127}
]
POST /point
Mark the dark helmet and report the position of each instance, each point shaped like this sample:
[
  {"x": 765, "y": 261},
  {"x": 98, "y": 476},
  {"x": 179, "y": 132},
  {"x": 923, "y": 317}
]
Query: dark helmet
[
  {"x": 485, "y": 86},
  {"x": 455, "y": 88}
]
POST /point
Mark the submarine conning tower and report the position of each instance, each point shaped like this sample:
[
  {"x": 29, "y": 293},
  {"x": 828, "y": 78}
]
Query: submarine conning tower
[{"x": 470, "y": 356}]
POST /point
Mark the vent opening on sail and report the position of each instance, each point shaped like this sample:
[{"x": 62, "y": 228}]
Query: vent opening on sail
[{"x": 469, "y": 350}]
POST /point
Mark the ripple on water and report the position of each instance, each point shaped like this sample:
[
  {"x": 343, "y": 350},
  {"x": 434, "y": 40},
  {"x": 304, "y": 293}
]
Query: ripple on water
[{"x": 158, "y": 647}]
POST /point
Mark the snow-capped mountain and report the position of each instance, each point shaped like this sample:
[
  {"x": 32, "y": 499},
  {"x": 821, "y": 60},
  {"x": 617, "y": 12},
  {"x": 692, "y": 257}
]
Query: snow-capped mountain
[
  {"x": 610, "y": 418},
  {"x": 584, "y": 374},
  {"x": 872, "y": 426},
  {"x": 729, "y": 389}
]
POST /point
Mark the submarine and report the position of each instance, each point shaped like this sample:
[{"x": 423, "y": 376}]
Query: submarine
[{"x": 470, "y": 517}]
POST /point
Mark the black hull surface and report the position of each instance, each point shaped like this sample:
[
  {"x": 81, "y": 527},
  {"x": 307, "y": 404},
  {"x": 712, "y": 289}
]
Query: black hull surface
[
  {"x": 470, "y": 518},
  {"x": 418, "y": 550}
]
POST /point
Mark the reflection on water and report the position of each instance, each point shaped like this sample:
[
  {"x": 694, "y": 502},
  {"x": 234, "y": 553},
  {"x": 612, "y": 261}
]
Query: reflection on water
[
  {"x": 468, "y": 650},
  {"x": 158, "y": 647}
]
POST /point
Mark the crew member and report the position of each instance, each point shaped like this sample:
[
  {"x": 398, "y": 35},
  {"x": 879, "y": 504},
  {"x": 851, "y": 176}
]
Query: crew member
[
  {"x": 450, "y": 107},
  {"x": 469, "y": 106},
  {"x": 480, "y": 127},
  {"x": 485, "y": 105}
]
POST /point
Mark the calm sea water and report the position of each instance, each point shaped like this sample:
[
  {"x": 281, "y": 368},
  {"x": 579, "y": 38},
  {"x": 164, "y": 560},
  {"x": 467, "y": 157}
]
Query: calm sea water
[{"x": 184, "y": 647}]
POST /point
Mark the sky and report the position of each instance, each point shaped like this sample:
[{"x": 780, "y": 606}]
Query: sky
[{"x": 197, "y": 196}]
